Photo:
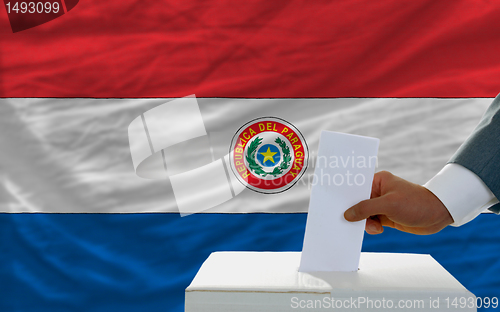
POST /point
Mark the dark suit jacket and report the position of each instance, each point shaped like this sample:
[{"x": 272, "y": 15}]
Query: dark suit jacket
[{"x": 480, "y": 153}]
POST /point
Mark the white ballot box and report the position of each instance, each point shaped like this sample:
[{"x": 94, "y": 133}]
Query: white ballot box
[{"x": 271, "y": 281}]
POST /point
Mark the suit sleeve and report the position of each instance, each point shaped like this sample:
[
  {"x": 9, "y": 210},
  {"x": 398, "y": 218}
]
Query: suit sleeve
[{"x": 480, "y": 153}]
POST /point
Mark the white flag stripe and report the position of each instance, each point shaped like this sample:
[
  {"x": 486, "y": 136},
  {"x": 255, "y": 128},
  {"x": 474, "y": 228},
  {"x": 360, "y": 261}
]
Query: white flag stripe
[
  {"x": 147, "y": 164},
  {"x": 174, "y": 122},
  {"x": 237, "y": 186},
  {"x": 80, "y": 153},
  {"x": 175, "y": 131},
  {"x": 152, "y": 167},
  {"x": 201, "y": 188},
  {"x": 138, "y": 141},
  {"x": 161, "y": 138},
  {"x": 188, "y": 155}
]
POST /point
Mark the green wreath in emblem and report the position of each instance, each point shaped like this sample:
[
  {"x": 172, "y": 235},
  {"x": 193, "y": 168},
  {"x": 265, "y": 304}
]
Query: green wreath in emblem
[{"x": 253, "y": 165}]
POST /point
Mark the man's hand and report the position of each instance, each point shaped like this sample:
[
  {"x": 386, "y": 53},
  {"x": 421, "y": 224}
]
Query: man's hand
[{"x": 402, "y": 205}]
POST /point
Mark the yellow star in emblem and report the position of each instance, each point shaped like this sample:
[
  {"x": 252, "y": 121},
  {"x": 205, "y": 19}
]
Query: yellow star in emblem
[{"x": 268, "y": 155}]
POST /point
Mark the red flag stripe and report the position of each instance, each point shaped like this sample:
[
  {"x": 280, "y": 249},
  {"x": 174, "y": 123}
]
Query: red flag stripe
[{"x": 262, "y": 48}]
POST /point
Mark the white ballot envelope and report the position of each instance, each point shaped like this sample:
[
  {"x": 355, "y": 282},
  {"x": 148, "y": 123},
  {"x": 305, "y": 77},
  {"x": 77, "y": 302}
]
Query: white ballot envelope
[{"x": 343, "y": 176}]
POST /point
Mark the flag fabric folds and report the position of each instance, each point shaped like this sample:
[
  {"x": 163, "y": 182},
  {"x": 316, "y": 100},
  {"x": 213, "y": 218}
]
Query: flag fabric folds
[
  {"x": 256, "y": 49},
  {"x": 81, "y": 231}
]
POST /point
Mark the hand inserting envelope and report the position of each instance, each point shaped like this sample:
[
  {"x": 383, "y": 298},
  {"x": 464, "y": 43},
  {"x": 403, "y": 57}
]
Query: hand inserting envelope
[{"x": 343, "y": 177}]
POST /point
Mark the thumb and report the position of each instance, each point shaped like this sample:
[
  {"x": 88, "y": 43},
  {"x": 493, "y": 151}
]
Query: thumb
[{"x": 366, "y": 209}]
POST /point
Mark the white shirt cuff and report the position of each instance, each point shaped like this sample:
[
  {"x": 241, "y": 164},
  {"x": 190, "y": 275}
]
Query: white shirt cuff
[{"x": 462, "y": 192}]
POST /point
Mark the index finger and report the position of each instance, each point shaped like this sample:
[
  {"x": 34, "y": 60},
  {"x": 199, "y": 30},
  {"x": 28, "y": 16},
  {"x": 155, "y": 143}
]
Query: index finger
[{"x": 367, "y": 208}]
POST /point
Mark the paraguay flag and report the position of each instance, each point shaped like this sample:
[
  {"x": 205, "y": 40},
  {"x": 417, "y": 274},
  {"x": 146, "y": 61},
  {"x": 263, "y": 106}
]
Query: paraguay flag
[{"x": 117, "y": 118}]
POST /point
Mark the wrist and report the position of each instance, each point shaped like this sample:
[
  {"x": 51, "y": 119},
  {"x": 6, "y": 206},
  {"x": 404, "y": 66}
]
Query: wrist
[{"x": 440, "y": 213}]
